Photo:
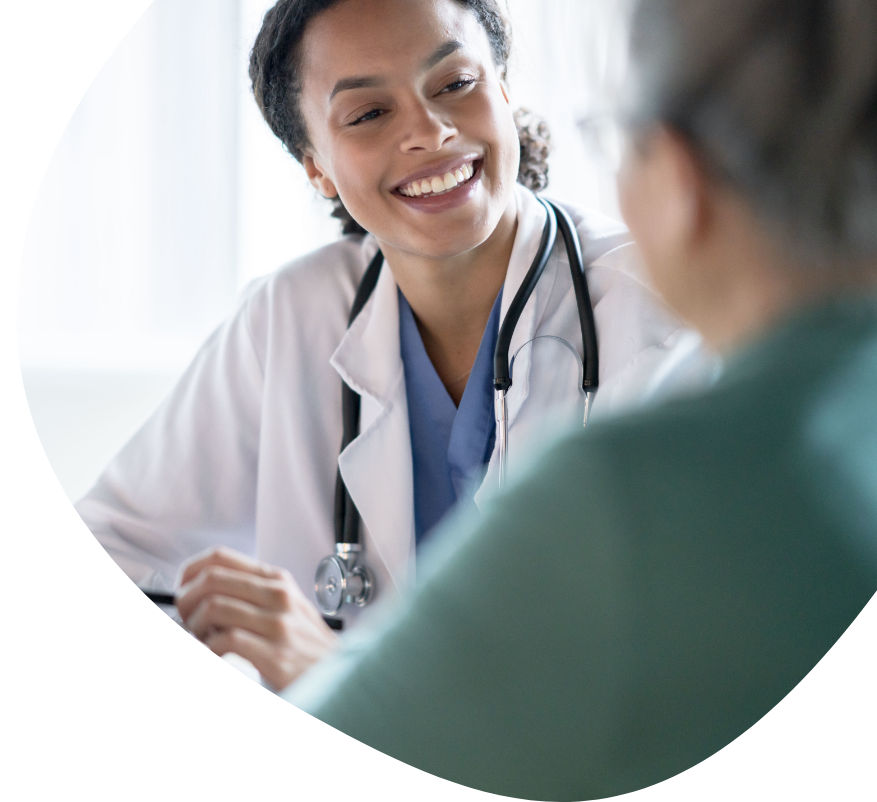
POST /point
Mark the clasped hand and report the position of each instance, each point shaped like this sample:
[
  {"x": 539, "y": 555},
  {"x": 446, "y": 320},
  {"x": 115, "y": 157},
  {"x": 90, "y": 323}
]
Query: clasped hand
[{"x": 236, "y": 604}]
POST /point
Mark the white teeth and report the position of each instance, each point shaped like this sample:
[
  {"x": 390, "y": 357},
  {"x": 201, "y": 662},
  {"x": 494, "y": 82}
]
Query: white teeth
[{"x": 438, "y": 184}]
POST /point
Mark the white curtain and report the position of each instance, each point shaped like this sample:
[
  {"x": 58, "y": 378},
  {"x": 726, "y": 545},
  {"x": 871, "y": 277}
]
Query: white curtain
[
  {"x": 568, "y": 60},
  {"x": 131, "y": 256},
  {"x": 132, "y": 250},
  {"x": 168, "y": 193}
]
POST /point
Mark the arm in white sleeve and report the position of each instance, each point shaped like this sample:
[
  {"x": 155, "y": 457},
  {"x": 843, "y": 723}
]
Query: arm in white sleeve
[{"x": 187, "y": 479}]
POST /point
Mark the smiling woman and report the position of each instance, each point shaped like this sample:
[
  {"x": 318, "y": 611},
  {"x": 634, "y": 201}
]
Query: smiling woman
[{"x": 411, "y": 130}]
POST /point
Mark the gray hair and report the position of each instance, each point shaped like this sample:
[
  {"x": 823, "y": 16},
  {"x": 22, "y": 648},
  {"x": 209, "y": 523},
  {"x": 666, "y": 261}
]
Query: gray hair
[{"x": 779, "y": 99}]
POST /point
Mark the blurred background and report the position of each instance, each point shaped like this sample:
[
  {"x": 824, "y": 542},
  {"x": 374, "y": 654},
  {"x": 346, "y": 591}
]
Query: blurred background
[{"x": 168, "y": 193}]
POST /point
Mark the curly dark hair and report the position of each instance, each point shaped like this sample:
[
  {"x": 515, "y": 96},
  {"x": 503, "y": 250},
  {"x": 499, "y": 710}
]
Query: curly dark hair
[{"x": 275, "y": 71}]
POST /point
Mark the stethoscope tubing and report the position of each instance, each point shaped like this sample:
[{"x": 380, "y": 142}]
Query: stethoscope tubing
[
  {"x": 346, "y": 515},
  {"x": 591, "y": 372},
  {"x": 556, "y": 218},
  {"x": 347, "y": 518},
  {"x": 501, "y": 375}
]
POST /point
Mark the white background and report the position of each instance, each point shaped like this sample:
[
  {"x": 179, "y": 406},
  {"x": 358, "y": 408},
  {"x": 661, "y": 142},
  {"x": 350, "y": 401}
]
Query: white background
[
  {"x": 7, "y": 402},
  {"x": 167, "y": 193}
]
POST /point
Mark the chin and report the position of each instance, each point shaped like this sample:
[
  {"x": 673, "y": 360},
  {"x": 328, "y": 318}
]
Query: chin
[
  {"x": 439, "y": 236},
  {"x": 449, "y": 244},
  {"x": 454, "y": 237}
]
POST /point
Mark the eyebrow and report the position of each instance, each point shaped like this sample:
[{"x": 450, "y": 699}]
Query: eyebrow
[
  {"x": 371, "y": 81},
  {"x": 443, "y": 52}
]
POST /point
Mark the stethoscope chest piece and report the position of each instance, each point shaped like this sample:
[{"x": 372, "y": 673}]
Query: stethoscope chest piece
[{"x": 340, "y": 580}]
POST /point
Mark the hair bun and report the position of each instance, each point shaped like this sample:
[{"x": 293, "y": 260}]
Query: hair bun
[{"x": 535, "y": 139}]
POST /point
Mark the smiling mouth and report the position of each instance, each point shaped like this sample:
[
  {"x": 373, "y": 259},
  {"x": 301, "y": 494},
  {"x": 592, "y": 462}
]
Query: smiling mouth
[{"x": 434, "y": 185}]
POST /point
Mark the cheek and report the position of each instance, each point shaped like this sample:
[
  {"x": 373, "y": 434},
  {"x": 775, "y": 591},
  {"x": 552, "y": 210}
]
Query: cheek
[
  {"x": 511, "y": 147},
  {"x": 355, "y": 173},
  {"x": 490, "y": 120}
]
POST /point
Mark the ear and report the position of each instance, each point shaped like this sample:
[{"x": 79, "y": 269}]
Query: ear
[
  {"x": 689, "y": 193},
  {"x": 669, "y": 203},
  {"x": 318, "y": 177},
  {"x": 503, "y": 83},
  {"x": 663, "y": 190}
]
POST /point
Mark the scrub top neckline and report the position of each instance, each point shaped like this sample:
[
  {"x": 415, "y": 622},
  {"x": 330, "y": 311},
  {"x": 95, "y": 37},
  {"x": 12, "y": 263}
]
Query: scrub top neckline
[{"x": 450, "y": 445}]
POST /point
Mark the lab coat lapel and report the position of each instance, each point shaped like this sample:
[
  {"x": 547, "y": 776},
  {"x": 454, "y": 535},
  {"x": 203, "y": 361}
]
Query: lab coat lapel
[{"x": 377, "y": 465}]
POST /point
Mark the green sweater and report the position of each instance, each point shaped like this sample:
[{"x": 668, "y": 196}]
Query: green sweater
[{"x": 653, "y": 586}]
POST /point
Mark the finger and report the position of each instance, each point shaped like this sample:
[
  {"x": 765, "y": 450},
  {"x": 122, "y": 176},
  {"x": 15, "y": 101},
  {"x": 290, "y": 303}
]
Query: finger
[
  {"x": 222, "y": 612},
  {"x": 270, "y": 594},
  {"x": 228, "y": 558},
  {"x": 251, "y": 647},
  {"x": 277, "y": 671}
]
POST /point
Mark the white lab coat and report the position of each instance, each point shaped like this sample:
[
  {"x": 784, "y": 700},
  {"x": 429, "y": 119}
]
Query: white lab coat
[{"x": 244, "y": 451}]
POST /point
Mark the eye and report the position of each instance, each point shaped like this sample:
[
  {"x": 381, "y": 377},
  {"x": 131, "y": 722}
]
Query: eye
[
  {"x": 457, "y": 84},
  {"x": 369, "y": 115}
]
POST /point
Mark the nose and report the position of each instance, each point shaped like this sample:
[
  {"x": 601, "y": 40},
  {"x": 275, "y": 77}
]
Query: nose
[{"x": 426, "y": 130}]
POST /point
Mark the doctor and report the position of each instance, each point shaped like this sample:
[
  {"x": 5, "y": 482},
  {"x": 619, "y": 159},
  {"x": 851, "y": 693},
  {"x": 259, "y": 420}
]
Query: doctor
[{"x": 409, "y": 128}]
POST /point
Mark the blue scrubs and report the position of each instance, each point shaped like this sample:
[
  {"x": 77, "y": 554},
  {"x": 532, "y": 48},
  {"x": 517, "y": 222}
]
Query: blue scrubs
[{"x": 449, "y": 445}]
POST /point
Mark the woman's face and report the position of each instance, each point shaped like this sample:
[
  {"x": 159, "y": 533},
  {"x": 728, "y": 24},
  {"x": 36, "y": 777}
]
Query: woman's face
[{"x": 409, "y": 122}]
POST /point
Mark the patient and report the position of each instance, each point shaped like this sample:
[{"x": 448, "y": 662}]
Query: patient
[{"x": 659, "y": 582}]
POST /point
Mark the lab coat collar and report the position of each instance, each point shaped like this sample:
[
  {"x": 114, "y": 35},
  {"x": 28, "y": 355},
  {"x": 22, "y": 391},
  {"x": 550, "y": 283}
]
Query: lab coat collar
[
  {"x": 368, "y": 357},
  {"x": 377, "y": 465},
  {"x": 530, "y": 222}
]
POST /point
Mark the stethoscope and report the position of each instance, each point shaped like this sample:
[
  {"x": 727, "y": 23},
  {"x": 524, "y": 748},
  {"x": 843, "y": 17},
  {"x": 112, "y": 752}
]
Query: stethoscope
[{"x": 341, "y": 579}]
